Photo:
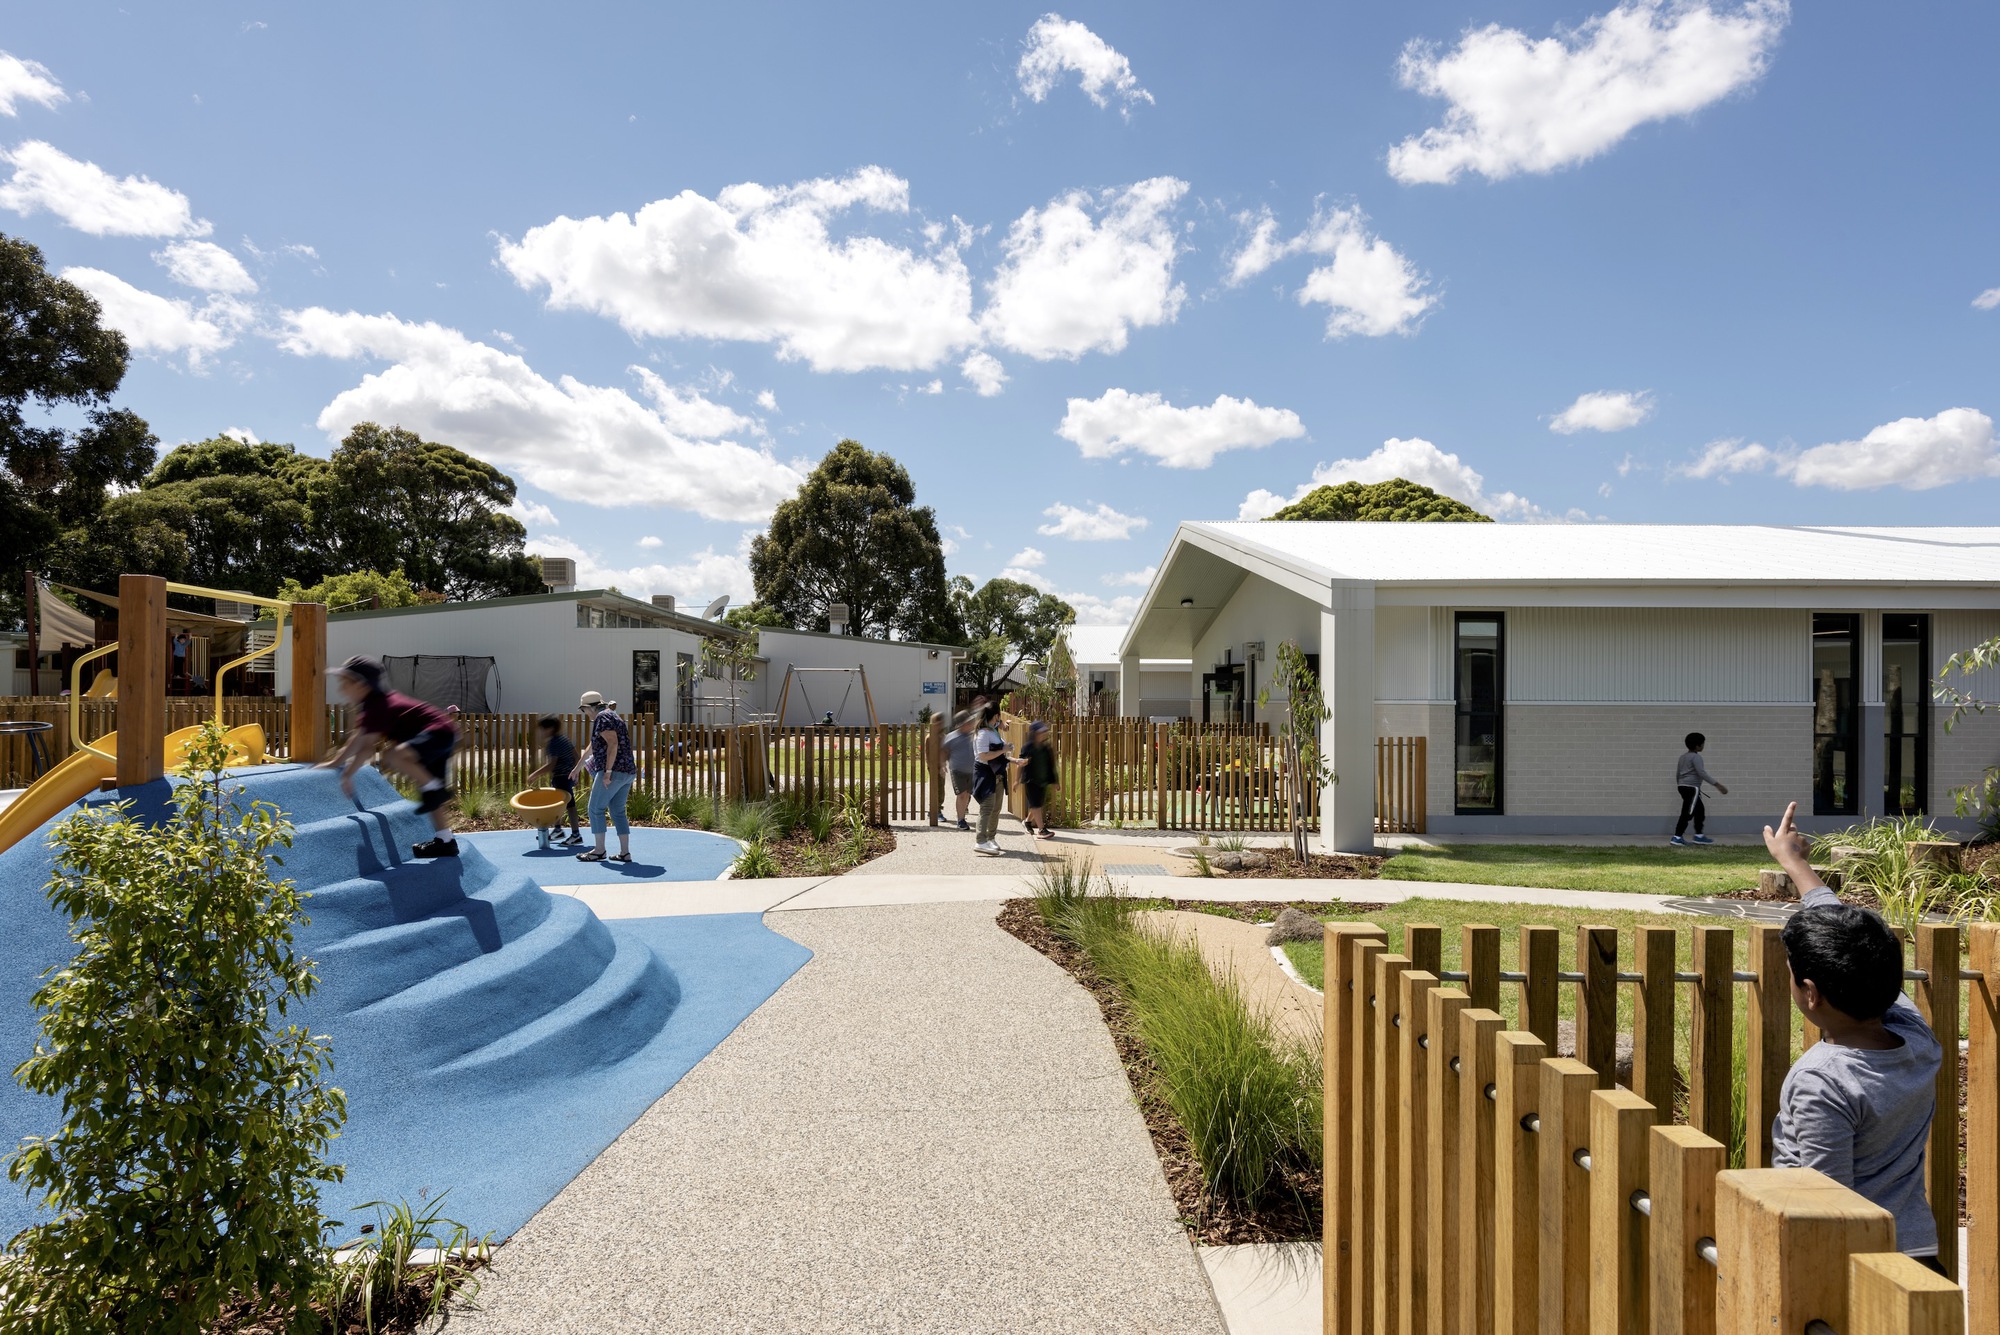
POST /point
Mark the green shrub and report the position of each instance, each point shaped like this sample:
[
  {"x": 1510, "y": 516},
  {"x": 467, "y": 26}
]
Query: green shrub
[
  {"x": 818, "y": 822},
  {"x": 683, "y": 808},
  {"x": 1249, "y": 1099},
  {"x": 755, "y": 862},
  {"x": 1231, "y": 843},
  {"x": 1877, "y": 857},
  {"x": 188, "y": 1166},
  {"x": 787, "y": 814},
  {"x": 748, "y": 822},
  {"x": 642, "y": 805},
  {"x": 380, "y": 1276},
  {"x": 478, "y": 803}
]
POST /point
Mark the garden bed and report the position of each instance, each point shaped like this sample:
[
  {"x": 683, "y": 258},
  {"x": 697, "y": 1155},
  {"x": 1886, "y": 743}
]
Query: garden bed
[
  {"x": 1280, "y": 864},
  {"x": 1289, "y": 1215},
  {"x": 799, "y": 854}
]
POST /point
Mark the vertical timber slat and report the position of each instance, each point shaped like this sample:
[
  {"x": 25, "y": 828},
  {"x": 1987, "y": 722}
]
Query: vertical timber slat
[
  {"x": 1517, "y": 1187},
  {"x": 1768, "y": 1053},
  {"x": 1390, "y": 1129},
  {"x": 1619, "y": 1284},
  {"x": 1681, "y": 1180},
  {"x": 1597, "y": 1001},
  {"x": 1413, "y": 1000},
  {"x": 1447, "y": 1004},
  {"x": 1342, "y": 1086},
  {"x": 1477, "y": 1030},
  {"x": 1937, "y": 998},
  {"x": 1565, "y": 1113},
  {"x": 1653, "y": 1017},
  {"x": 1712, "y": 1055}
]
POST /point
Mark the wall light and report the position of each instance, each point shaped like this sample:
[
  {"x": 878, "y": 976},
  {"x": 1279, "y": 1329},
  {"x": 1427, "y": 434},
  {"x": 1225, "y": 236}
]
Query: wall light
[{"x": 1187, "y": 602}]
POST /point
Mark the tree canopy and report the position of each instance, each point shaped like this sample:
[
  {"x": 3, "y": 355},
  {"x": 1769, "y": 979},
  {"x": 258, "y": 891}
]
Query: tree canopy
[
  {"x": 356, "y": 588},
  {"x": 254, "y": 516},
  {"x": 854, "y": 534},
  {"x": 57, "y": 356},
  {"x": 753, "y": 616},
  {"x": 1006, "y": 622},
  {"x": 1398, "y": 500}
]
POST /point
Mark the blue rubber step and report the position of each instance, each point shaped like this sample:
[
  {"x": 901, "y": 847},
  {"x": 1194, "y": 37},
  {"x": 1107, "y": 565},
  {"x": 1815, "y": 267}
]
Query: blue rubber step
[
  {"x": 366, "y": 966},
  {"x": 498, "y": 992},
  {"x": 600, "y": 1026}
]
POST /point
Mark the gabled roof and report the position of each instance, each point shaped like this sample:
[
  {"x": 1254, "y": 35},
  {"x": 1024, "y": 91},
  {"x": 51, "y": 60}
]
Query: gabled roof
[
  {"x": 1097, "y": 646},
  {"x": 609, "y": 599}
]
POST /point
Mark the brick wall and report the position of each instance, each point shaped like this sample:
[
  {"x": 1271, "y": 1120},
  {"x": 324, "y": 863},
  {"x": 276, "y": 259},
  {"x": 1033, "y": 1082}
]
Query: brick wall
[
  {"x": 1959, "y": 757},
  {"x": 1618, "y": 760}
]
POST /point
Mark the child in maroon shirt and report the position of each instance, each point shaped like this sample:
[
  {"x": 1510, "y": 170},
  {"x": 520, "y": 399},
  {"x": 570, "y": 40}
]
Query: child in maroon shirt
[{"x": 413, "y": 738}]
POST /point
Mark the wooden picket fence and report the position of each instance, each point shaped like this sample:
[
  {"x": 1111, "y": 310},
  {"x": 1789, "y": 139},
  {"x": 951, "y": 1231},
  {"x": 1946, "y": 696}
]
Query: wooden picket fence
[
  {"x": 1477, "y": 1183},
  {"x": 1112, "y": 771}
]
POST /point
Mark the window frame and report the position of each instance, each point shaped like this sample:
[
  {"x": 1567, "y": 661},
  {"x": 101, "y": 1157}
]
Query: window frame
[{"x": 1458, "y": 710}]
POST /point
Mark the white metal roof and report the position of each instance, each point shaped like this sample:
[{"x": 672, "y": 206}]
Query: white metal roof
[{"x": 1388, "y": 553}]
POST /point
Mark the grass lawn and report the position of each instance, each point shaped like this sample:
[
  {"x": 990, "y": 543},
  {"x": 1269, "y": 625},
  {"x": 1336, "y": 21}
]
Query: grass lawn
[{"x": 1659, "y": 869}]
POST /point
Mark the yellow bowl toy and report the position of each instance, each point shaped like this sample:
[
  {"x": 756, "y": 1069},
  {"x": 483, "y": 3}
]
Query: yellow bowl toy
[{"x": 542, "y": 808}]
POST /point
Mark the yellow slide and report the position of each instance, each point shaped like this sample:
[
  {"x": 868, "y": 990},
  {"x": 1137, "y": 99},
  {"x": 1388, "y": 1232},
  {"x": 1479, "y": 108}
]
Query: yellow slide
[{"x": 78, "y": 776}]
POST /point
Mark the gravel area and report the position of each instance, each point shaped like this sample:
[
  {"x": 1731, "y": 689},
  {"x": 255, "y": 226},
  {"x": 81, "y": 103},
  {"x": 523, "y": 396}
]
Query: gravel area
[{"x": 927, "y": 1129}]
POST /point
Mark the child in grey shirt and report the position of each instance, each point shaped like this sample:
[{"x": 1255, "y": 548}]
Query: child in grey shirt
[{"x": 1858, "y": 1105}]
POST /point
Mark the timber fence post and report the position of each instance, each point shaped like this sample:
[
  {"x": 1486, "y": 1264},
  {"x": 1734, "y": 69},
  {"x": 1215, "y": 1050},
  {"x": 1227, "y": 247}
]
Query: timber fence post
[
  {"x": 1517, "y": 1187},
  {"x": 1782, "y": 1239}
]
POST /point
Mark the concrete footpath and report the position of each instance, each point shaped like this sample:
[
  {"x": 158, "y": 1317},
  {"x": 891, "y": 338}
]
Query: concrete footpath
[{"x": 927, "y": 1129}]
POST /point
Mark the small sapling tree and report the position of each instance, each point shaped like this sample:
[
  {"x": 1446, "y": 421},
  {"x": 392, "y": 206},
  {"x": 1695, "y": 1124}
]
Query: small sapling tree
[
  {"x": 188, "y": 1165},
  {"x": 1305, "y": 762}
]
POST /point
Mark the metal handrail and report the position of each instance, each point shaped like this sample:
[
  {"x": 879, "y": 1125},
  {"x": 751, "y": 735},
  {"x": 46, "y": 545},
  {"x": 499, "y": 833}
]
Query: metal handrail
[{"x": 76, "y": 699}]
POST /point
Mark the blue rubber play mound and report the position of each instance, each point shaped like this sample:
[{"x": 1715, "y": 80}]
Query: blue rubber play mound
[
  {"x": 491, "y": 1037},
  {"x": 658, "y": 854}
]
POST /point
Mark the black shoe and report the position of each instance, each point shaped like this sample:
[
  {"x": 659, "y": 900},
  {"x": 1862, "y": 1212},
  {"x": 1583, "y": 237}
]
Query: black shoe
[
  {"x": 432, "y": 798},
  {"x": 437, "y": 848}
]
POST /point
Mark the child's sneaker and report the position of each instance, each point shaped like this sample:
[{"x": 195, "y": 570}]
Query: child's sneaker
[
  {"x": 436, "y": 848},
  {"x": 1703, "y": 839},
  {"x": 1678, "y": 842}
]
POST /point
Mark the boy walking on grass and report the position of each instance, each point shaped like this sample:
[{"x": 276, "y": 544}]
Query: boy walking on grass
[
  {"x": 560, "y": 764},
  {"x": 1858, "y": 1105},
  {"x": 1689, "y": 776},
  {"x": 413, "y": 738}
]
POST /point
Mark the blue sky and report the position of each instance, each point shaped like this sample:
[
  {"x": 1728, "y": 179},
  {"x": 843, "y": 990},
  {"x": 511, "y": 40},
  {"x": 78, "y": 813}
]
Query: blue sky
[{"x": 1654, "y": 262}]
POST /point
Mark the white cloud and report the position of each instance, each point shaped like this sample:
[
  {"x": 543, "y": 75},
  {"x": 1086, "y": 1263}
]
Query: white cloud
[
  {"x": 1056, "y": 46},
  {"x": 1095, "y": 610},
  {"x": 1368, "y": 287},
  {"x": 1914, "y": 453},
  {"x": 164, "y": 325},
  {"x": 758, "y": 264},
  {"x": 1604, "y": 410},
  {"x": 1133, "y": 578},
  {"x": 26, "y": 81},
  {"x": 1029, "y": 558},
  {"x": 983, "y": 371},
  {"x": 649, "y": 541},
  {"x": 1987, "y": 300},
  {"x": 767, "y": 400},
  {"x": 1724, "y": 459},
  {"x": 692, "y": 582},
  {"x": 242, "y": 433},
  {"x": 688, "y": 413},
  {"x": 533, "y": 512},
  {"x": 1120, "y": 420},
  {"x": 577, "y": 441},
  {"x": 1102, "y": 524},
  {"x": 1416, "y": 461},
  {"x": 205, "y": 266},
  {"x": 92, "y": 200},
  {"x": 1521, "y": 105},
  {"x": 1074, "y": 283}
]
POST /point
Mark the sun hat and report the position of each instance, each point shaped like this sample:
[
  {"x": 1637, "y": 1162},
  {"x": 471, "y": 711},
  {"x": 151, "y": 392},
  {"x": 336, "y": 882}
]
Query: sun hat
[
  {"x": 364, "y": 670},
  {"x": 589, "y": 698}
]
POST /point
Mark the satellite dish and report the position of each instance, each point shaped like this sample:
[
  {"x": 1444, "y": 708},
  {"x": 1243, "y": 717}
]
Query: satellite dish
[{"x": 715, "y": 609}]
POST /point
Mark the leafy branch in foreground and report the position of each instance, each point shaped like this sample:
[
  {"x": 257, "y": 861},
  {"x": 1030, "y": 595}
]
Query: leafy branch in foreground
[{"x": 188, "y": 1165}]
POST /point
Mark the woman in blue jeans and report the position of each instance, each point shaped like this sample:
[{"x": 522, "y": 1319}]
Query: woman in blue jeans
[{"x": 612, "y": 769}]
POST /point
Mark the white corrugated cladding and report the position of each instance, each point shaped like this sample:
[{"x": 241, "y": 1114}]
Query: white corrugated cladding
[
  {"x": 1956, "y": 632},
  {"x": 1564, "y": 655}
]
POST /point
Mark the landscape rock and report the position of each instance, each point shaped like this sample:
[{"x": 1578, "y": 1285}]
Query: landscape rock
[{"x": 1296, "y": 925}]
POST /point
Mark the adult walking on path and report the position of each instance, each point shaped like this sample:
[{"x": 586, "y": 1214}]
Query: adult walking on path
[
  {"x": 976, "y": 1166},
  {"x": 1689, "y": 776},
  {"x": 612, "y": 768},
  {"x": 990, "y": 782}
]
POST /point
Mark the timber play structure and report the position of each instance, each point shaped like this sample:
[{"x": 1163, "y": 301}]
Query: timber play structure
[
  {"x": 491, "y": 1037},
  {"x": 1476, "y": 1182}
]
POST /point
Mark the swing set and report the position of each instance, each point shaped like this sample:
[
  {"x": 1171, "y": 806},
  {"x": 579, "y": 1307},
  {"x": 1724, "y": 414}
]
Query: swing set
[{"x": 831, "y": 717}]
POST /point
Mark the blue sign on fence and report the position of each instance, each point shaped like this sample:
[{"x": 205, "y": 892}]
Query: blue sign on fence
[{"x": 934, "y": 687}]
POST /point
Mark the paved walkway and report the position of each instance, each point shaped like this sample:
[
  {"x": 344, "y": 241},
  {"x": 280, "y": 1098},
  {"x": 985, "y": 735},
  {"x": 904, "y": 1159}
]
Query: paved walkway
[{"x": 927, "y": 1129}]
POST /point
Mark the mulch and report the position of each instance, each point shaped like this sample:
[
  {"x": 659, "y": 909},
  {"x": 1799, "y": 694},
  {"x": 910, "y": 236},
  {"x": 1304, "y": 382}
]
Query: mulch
[
  {"x": 1291, "y": 1213},
  {"x": 402, "y": 1314},
  {"x": 798, "y": 855},
  {"x": 1317, "y": 867}
]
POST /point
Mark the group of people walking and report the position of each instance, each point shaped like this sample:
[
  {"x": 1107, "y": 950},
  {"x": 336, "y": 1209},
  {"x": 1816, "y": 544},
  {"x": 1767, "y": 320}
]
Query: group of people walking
[
  {"x": 977, "y": 757},
  {"x": 409, "y": 737}
]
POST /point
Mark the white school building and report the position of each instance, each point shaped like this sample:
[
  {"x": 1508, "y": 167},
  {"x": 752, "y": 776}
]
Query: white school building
[
  {"x": 537, "y": 653},
  {"x": 1554, "y": 669}
]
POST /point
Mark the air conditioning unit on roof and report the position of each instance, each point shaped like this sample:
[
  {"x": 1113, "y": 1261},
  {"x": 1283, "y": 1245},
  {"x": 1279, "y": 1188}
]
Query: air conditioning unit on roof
[{"x": 558, "y": 574}]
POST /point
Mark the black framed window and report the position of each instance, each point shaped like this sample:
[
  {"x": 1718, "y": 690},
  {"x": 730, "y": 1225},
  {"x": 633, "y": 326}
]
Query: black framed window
[
  {"x": 1836, "y": 722},
  {"x": 1906, "y": 717},
  {"x": 1479, "y": 673}
]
